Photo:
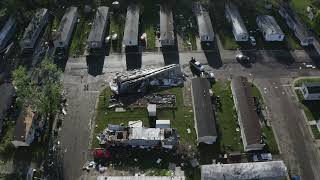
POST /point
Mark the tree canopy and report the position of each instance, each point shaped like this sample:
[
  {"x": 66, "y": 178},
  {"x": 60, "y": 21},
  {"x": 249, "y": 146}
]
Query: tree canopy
[{"x": 40, "y": 89}]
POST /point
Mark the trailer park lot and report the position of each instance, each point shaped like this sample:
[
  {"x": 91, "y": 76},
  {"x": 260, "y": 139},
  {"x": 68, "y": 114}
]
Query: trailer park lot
[
  {"x": 272, "y": 71},
  {"x": 296, "y": 146}
]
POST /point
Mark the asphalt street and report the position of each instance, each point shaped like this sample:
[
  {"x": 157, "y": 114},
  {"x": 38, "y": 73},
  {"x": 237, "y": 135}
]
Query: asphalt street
[
  {"x": 296, "y": 145},
  {"x": 270, "y": 67}
]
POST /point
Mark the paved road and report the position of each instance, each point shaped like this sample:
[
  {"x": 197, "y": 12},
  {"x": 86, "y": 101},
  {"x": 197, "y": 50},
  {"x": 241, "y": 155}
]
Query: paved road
[
  {"x": 77, "y": 124},
  {"x": 269, "y": 67},
  {"x": 296, "y": 144}
]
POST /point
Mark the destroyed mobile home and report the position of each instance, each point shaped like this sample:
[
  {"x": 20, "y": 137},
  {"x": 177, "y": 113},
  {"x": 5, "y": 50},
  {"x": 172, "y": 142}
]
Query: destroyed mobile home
[
  {"x": 139, "y": 80},
  {"x": 138, "y": 136},
  {"x": 134, "y": 101}
]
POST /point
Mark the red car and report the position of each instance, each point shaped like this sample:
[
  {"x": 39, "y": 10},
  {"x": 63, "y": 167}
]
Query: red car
[{"x": 100, "y": 153}]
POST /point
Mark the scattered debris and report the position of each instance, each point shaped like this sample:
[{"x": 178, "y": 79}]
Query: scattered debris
[{"x": 188, "y": 130}]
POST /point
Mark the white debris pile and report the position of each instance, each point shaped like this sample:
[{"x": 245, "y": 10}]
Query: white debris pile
[{"x": 140, "y": 80}]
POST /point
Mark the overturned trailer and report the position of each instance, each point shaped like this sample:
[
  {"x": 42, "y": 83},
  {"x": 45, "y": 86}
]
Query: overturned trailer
[{"x": 138, "y": 81}]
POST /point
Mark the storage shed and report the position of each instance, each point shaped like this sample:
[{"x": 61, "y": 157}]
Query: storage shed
[
  {"x": 152, "y": 110},
  {"x": 163, "y": 124},
  {"x": 270, "y": 29},
  {"x": 238, "y": 28}
]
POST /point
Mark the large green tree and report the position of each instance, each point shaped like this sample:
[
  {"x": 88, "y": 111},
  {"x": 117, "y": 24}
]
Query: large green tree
[{"x": 41, "y": 89}]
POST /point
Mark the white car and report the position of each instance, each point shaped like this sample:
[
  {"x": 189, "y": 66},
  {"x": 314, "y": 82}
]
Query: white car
[
  {"x": 262, "y": 157},
  {"x": 252, "y": 41}
]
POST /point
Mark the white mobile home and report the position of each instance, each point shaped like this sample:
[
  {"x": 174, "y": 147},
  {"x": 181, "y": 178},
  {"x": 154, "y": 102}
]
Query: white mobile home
[
  {"x": 131, "y": 29},
  {"x": 238, "y": 28},
  {"x": 67, "y": 25},
  {"x": 310, "y": 91},
  {"x": 166, "y": 26},
  {"x": 299, "y": 29},
  {"x": 272, "y": 170},
  {"x": 35, "y": 27},
  {"x": 270, "y": 29},
  {"x": 7, "y": 32},
  {"x": 99, "y": 28},
  {"x": 204, "y": 24}
]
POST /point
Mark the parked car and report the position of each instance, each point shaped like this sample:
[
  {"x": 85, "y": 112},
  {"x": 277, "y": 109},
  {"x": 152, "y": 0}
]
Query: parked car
[
  {"x": 252, "y": 41},
  {"x": 262, "y": 157},
  {"x": 196, "y": 65},
  {"x": 241, "y": 58}
]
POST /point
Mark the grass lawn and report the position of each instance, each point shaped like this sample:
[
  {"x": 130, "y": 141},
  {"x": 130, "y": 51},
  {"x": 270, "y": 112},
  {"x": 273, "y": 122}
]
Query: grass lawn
[
  {"x": 149, "y": 19},
  {"x": 190, "y": 37},
  {"x": 256, "y": 93},
  {"x": 272, "y": 145},
  {"x": 151, "y": 38},
  {"x": 299, "y": 82},
  {"x": 80, "y": 36},
  {"x": 226, "y": 37},
  {"x": 117, "y": 26},
  {"x": 315, "y": 131},
  {"x": 181, "y": 117},
  {"x": 300, "y": 7},
  {"x": 229, "y": 137},
  {"x": 6, "y": 147}
]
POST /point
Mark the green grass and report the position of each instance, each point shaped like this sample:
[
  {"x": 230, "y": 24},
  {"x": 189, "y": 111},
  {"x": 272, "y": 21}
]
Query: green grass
[
  {"x": 6, "y": 147},
  {"x": 181, "y": 117},
  {"x": 299, "y": 82},
  {"x": 256, "y": 92},
  {"x": 229, "y": 138},
  {"x": 148, "y": 20},
  {"x": 227, "y": 39},
  {"x": 315, "y": 131},
  {"x": 80, "y": 36},
  {"x": 300, "y": 7},
  {"x": 117, "y": 27},
  {"x": 190, "y": 37},
  {"x": 151, "y": 38},
  {"x": 272, "y": 145}
]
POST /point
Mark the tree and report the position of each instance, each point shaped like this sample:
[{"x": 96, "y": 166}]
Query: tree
[
  {"x": 42, "y": 90},
  {"x": 26, "y": 89},
  {"x": 51, "y": 87},
  {"x": 316, "y": 22}
]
